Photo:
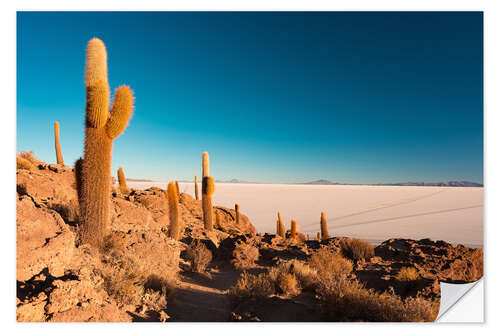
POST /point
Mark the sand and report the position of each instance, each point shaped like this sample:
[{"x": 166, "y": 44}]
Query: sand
[{"x": 372, "y": 213}]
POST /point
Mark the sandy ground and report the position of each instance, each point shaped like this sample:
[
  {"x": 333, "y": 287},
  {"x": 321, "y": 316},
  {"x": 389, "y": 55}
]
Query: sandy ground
[{"x": 373, "y": 213}]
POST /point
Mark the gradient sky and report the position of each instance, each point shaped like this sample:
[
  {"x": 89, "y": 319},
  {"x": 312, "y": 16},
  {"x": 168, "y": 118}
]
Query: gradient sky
[{"x": 273, "y": 97}]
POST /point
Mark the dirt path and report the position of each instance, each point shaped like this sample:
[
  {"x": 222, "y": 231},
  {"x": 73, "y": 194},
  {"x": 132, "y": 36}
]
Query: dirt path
[{"x": 199, "y": 298}]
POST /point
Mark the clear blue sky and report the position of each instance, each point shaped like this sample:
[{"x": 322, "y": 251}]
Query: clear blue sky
[{"x": 273, "y": 97}]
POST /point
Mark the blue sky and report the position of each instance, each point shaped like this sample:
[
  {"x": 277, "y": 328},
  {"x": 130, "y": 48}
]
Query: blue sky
[{"x": 273, "y": 97}]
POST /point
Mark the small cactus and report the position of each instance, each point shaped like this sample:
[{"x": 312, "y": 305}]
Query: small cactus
[
  {"x": 324, "y": 227},
  {"x": 281, "y": 226},
  {"x": 59, "y": 156},
  {"x": 294, "y": 229},
  {"x": 196, "y": 187},
  {"x": 237, "y": 210},
  {"x": 217, "y": 219},
  {"x": 173, "y": 211},
  {"x": 278, "y": 228},
  {"x": 207, "y": 190},
  {"x": 122, "y": 183},
  {"x": 318, "y": 237},
  {"x": 101, "y": 127},
  {"x": 177, "y": 185}
]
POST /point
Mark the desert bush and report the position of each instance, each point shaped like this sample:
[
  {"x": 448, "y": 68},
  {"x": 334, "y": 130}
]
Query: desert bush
[
  {"x": 288, "y": 284},
  {"x": 244, "y": 256},
  {"x": 305, "y": 275},
  {"x": 199, "y": 256},
  {"x": 251, "y": 286},
  {"x": 348, "y": 300},
  {"x": 23, "y": 164},
  {"x": 123, "y": 277},
  {"x": 407, "y": 274},
  {"x": 30, "y": 156},
  {"x": 356, "y": 249},
  {"x": 330, "y": 264}
]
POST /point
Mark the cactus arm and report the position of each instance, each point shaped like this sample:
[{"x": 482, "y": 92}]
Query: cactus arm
[{"x": 121, "y": 112}]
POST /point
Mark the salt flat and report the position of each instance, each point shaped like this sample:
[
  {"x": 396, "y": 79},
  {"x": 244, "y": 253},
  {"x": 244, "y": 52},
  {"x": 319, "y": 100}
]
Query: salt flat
[{"x": 372, "y": 213}]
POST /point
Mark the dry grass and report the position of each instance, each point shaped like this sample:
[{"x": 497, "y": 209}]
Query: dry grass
[
  {"x": 329, "y": 264},
  {"x": 30, "y": 156},
  {"x": 244, "y": 256},
  {"x": 23, "y": 164},
  {"x": 288, "y": 284},
  {"x": 199, "y": 256},
  {"x": 407, "y": 274},
  {"x": 348, "y": 300},
  {"x": 305, "y": 275},
  {"x": 251, "y": 286},
  {"x": 357, "y": 249}
]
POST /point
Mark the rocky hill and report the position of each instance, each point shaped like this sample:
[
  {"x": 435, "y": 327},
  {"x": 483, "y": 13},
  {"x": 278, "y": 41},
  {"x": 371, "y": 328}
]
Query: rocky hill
[{"x": 143, "y": 275}]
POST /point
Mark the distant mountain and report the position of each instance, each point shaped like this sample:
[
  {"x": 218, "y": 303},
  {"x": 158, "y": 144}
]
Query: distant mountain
[
  {"x": 321, "y": 182},
  {"x": 132, "y": 180},
  {"x": 235, "y": 181},
  {"x": 451, "y": 183}
]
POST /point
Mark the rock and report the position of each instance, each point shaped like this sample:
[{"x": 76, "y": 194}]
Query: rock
[{"x": 43, "y": 241}]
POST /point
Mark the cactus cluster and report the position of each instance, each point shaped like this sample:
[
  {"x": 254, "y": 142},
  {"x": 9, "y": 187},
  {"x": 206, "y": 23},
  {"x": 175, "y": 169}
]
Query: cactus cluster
[
  {"x": 59, "y": 156},
  {"x": 207, "y": 190},
  {"x": 102, "y": 126}
]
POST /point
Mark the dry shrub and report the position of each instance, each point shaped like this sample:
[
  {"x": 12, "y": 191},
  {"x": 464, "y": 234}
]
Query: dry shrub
[
  {"x": 288, "y": 284},
  {"x": 407, "y": 274},
  {"x": 357, "y": 249},
  {"x": 123, "y": 277},
  {"x": 347, "y": 300},
  {"x": 244, "y": 256},
  {"x": 199, "y": 256},
  {"x": 305, "y": 275},
  {"x": 23, "y": 164},
  {"x": 155, "y": 291},
  {"x": 30, "y": 156},
  {"x": 329, "y": 264},
  {"x": 251, "y": 286}
]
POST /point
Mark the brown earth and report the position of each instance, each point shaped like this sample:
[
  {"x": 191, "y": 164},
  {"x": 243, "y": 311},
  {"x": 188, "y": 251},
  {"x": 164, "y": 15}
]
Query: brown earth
[{"x": 60, "y": 280}]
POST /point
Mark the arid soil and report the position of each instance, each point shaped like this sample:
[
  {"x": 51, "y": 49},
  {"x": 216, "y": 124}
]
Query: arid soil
[{"x": 143, "y": 275}]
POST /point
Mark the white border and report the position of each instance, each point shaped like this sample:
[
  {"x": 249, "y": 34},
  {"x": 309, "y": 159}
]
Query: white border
[{"x": 8, "y": 136}]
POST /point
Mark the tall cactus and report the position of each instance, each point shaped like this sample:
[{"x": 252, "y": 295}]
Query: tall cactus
[
  {"x": 196, "y": 187},
  {"x": 59, "y": 156},
  {"x": 177, "y": 185},
  {"x": 122, "y": 182},
  {"x": 324, "y": 227},
  {"x": 102, "y": 126},
  {"x": 293, "y": 229},
  {"x": 237, "y": 210},
  {"x": 173, "y": 211},
  {"x": 282, "y": 226},
  {"x": 207, "y": 190}
]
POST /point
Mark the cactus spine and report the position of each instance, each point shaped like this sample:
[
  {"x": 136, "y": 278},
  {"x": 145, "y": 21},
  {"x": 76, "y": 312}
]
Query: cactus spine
[
  {"x": 324, "y": 227},
  {"x": 207, "y": 189},
  {"x": 281, "y": 226},
  {"x": 294, "y": 229},
  {"x": 196, "y": 187},
  {"x": 122, "y": 182},
  {"x": 173, "y": 211},
  {"x": 237, "y": 210},
  {"x": 101, "y": 127},
  {"x": 177, "y": 185},
  {"x": 59, "y": 156}
]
